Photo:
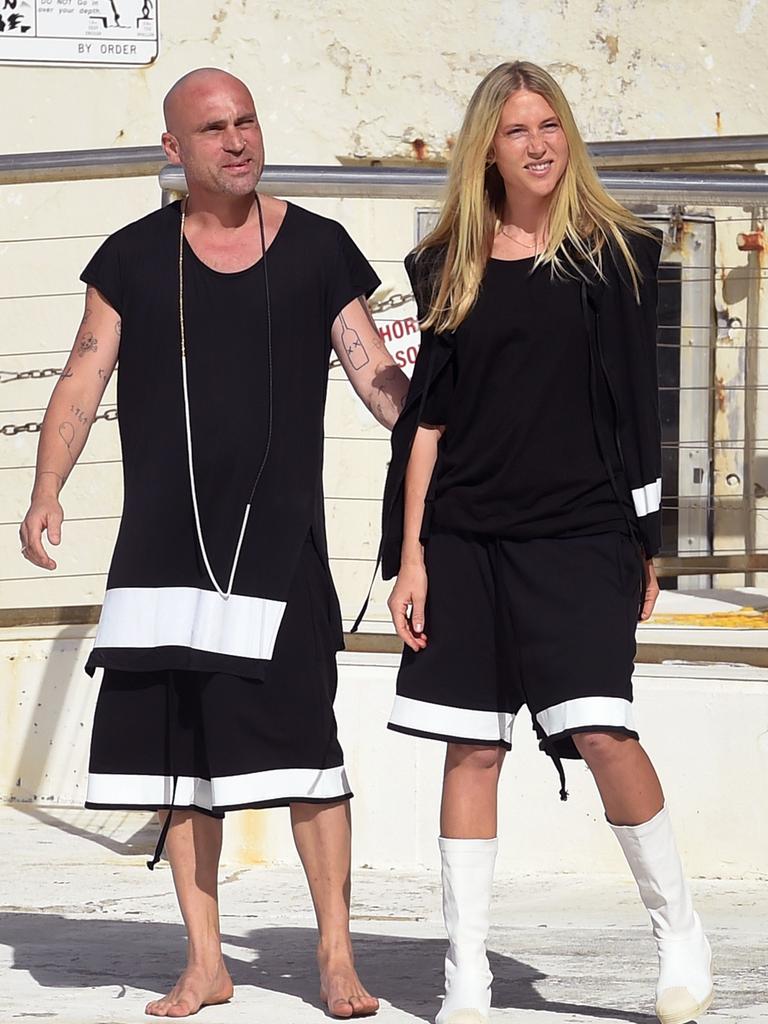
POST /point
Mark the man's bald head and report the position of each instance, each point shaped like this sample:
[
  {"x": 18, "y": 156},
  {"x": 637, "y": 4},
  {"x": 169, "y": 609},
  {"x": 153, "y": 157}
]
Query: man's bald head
[
  {"x": 212, "y": 130},
  {"x": 194, "y": 90}
]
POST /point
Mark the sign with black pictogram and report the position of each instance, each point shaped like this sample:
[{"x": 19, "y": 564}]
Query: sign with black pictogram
[{"x": 74, "y": 32}]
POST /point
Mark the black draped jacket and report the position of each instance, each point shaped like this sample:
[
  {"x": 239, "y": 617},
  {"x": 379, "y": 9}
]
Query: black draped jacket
[{"x": 622, "y": 335}]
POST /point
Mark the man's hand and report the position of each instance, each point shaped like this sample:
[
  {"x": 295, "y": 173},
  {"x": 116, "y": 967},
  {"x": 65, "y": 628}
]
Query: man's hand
[
  {"x": 372, "y": 371},
  {"x": 45, "y": 514},
  {"x": 410, "y": 591},
  {"x": 651, "y": 591}
]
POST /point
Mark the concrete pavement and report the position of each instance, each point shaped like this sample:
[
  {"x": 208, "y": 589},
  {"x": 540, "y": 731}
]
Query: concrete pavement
[{"x": 88, "y": 935}]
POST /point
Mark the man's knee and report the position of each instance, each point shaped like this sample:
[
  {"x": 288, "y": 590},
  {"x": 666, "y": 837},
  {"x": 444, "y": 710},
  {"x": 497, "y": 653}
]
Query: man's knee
[
  {"x": 471, "y": 757},
  {"x": 602, "y": 747}
]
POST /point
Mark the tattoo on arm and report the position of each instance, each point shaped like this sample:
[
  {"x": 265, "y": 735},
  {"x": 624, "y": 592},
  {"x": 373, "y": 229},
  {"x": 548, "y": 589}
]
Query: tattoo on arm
[
  {"x": 49, "y": 472},
  {"x": 67, "y": 435},
  {"x": 88, "y": 343},
  {"x": 353, "y": 343},
  {"x": 102, "y": 374},
  {"x": 388, "y": 394},
  {"x": 80, "y": 416},
  {"x": 67, "y": 372},
  {"x": 118, "y": 328}
]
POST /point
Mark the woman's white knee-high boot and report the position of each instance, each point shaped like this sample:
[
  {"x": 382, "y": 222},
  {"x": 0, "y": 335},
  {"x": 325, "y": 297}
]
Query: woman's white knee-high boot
[
  {"x": 467, "y": 883},
  {"x": 685, "y": 987}
]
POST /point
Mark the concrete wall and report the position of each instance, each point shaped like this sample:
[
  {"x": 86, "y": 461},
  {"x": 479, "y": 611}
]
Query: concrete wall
[{"x": 704, "y": 726}]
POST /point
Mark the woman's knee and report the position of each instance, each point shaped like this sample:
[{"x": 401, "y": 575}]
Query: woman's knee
[
  {"x": 473, "y": 758},
  {"x": 602, "y": 747}
]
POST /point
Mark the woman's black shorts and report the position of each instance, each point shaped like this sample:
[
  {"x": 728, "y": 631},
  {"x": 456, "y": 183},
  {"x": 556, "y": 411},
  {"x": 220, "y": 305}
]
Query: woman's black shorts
[{"x": 548, "y": 623}]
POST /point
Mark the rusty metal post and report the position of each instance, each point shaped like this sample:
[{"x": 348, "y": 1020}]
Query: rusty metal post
[{"x": 753, "y": 243}]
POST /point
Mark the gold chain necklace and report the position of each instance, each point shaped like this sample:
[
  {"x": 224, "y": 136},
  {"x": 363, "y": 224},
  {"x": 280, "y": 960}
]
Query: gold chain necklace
[{"x": 519, "y": 241}]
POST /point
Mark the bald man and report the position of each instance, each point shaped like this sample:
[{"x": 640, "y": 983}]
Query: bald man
[{"x": 220, "y": 621}]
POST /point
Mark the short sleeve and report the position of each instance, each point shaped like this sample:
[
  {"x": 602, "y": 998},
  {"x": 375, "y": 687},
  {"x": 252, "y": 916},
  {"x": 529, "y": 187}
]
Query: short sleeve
[
  {"x": 352, "y": 275},
  {"x": 423, "y": 269},
  {"x": 104, "y": 273},
  {"x": 440, "y": 398}
]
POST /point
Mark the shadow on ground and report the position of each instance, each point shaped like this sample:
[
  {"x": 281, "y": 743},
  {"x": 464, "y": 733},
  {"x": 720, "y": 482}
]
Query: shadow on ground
[{"x": 407, "y": 972}]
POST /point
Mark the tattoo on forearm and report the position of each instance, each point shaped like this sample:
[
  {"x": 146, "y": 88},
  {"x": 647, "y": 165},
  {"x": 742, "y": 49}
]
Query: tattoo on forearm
[
  {"x": 388, "y": 393},
  {"x": 118, "y": 328},
  {"x": 102, "y": 374},
  {"x": 353, "y": 343},
  {"x": 88, "y": 343},
  {"x": 67, "y": 435},
  {"x": 67, "y": 372},
  {"x": 49, "y": 472},
  {"x": 81, "y": 416}
]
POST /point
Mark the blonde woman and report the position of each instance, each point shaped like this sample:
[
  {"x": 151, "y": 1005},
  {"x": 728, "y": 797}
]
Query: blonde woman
[{"x": 522, "y": 511}]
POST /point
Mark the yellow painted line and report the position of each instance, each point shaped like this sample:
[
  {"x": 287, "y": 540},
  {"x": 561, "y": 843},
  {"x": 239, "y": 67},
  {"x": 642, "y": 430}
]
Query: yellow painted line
[{"x": 745, "y": 618}]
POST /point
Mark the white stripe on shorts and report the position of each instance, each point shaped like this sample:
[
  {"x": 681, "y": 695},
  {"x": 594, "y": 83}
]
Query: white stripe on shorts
[
  {"x": 442, "y": 720},
  {"x": 224, "y": 791},
  {"x": 583, "y": 712}
]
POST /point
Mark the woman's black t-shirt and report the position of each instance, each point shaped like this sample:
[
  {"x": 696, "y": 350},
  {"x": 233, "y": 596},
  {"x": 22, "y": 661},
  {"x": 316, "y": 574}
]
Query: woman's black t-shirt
[{"x": 519, "y": 457}]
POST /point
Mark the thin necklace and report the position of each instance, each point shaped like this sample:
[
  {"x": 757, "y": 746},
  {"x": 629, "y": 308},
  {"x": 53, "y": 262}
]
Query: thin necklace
[
  {"x": 518, "y": 240},
  {"x": 187, "y": 419}
]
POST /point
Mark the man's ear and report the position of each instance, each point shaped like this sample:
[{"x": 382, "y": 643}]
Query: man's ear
[{"x": 171, "y": 147}]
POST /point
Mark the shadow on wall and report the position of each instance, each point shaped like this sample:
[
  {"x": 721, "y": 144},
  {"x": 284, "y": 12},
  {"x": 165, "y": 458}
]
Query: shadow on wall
[
  {"x": 51, "y": 760},
  {"x": 404, "y": 971}
]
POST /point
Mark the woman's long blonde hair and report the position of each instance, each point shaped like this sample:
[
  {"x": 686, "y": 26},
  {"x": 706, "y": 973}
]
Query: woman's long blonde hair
[{"x": 583, "y": 218}]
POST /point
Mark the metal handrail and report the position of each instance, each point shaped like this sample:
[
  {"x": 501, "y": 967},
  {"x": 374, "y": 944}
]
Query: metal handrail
[
  {"x": 141, "y": 161},
  {"x": 81, "y": 164},
  {"x": 428, "y": 183}
]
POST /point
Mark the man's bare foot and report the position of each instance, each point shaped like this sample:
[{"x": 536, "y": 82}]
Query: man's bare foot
[
  {"x": 342, "y": 991},
  {"x": 197, "y": 987}
]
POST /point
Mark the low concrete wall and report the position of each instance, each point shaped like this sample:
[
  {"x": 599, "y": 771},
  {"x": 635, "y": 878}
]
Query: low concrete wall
[{"x": 705, "y": 726}]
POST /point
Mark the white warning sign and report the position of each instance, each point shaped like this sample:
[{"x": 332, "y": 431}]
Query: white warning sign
[{"x": 72, "y": 32}]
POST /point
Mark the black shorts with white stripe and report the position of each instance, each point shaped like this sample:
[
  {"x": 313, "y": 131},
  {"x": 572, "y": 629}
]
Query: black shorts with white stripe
[
  {"x": 547, "y": 623},
  {"x": 227, "y": 741}
]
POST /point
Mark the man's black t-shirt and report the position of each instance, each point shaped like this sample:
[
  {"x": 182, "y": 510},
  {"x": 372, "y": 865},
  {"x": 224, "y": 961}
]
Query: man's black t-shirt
[
  {"x": 314, "y": 271},
  {"x": 519, "y": 457}
]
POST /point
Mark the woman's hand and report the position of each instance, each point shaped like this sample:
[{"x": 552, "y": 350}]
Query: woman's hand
[
  {"x": 410, "y": 591},
  {"x": 651, "y": 591}
]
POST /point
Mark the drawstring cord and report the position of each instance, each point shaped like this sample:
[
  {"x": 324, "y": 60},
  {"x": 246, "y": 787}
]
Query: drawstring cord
[
  {"x": 501, "y": 668},
  {"x": 173, "y": 708},
  {"x": 561, "y": 772}
]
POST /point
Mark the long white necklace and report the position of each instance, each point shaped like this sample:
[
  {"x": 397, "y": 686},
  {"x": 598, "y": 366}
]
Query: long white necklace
[{"x": 187, "y": 419}]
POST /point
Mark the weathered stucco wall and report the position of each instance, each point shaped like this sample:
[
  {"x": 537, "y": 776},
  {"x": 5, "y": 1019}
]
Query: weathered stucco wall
[
  {"x": 332, "y": 80},
  {"x": 363, "y": 78}
]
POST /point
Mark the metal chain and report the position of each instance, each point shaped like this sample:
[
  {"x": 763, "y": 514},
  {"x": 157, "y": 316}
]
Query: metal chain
[
  {"x": 11, "y": 429},
  {"x": 8, "y": 377},
  {"x": 391, "y": 302}
]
